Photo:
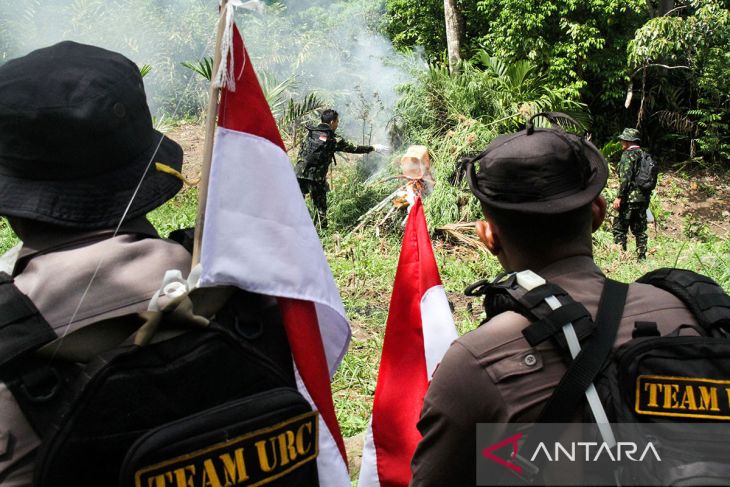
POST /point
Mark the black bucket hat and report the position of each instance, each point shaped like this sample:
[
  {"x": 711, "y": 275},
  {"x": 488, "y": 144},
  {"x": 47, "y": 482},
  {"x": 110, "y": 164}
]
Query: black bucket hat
[
  {"x": 538, "y": 170},
  {"x": 75, "y": 138}
]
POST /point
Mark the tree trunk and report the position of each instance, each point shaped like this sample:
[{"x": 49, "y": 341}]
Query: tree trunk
[
  {"x": 454, "y": 33},
  {"x": 658, "y": 8},
  {"x": 664, "y": 7}
]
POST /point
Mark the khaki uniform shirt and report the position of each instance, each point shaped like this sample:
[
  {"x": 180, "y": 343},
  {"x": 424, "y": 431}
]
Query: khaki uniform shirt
[
  {"x": 484, "y": 377},
  {"x": 54, "y": 269}
]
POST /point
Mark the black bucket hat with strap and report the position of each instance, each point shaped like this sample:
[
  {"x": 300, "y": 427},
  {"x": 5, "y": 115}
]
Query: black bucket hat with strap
[
  {"x": 76, "y": 138},
  {"x": 538, "y": 170}
]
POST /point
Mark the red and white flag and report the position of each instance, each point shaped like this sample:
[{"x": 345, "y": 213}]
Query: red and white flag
[
  {"x": 259, "y": 237},
  {"x": 420, "y": 329}
]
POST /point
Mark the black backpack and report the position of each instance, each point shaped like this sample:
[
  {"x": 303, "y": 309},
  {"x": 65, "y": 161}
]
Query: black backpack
[
  {"x": 647, "y": 173},
  {"x": 211, "y": 403},
  {"x": 316, "y": 153},
  {"x": 630, "y": 381}
]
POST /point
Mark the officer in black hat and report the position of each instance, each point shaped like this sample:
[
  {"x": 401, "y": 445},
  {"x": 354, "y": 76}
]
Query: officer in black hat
[
  {"x": 540, "y": 193},
  {"x": 77, "y": 177}
]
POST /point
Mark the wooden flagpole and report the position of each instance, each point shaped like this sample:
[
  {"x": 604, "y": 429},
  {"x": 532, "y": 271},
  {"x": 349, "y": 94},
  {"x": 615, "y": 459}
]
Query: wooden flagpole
[{"x": 209, "y": 136}]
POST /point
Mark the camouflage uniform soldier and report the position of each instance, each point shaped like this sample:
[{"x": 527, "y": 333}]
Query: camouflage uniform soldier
[
  {"x": 315, "y": 156},
  {"x": 631, "y": 202}
]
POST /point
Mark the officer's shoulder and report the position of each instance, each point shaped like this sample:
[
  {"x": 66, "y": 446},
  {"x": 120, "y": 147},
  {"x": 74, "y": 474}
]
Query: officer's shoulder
[
  {"x": 501, "y": 330},
  {"x": 648, "y": 298}
]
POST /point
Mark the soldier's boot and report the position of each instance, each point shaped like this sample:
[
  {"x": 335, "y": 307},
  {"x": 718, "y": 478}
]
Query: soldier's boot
[
  {"x": 641, "y": 241},
  {"x": 620, "y": 237}
]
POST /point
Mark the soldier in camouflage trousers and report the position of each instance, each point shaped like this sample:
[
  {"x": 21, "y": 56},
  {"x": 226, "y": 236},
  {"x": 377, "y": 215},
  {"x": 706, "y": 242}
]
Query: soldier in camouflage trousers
[
  {"x": 631, "y": 202},
  {"x": 316, "y": 154}
]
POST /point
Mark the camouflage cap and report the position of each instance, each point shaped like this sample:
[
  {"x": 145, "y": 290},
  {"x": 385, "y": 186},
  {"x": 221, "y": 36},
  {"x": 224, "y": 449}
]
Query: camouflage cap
[{"x": 630, "y": 135}]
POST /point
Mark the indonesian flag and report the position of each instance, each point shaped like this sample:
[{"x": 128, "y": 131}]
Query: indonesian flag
[
  {"x": 420, "y": 329},
  {"x": 259, "y": 237}
]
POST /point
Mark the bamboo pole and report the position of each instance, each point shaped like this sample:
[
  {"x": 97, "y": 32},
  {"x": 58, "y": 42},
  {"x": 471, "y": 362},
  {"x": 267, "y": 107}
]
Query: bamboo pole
[{"x": 209, "y": 135}]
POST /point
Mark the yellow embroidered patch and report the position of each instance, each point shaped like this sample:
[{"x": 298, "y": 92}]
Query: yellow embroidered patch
[
  {"x": 253, "y": 459},
  {"x": 687, "y": 397}
]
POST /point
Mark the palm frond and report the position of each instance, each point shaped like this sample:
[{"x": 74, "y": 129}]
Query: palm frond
[
  {"x": 204, "y": 67},
  {"x": 145, "y": 69},
  {"x": 296, "y": 112},
  {"x": 275, "y": 91},
  {"x": 675, "y": 121}
]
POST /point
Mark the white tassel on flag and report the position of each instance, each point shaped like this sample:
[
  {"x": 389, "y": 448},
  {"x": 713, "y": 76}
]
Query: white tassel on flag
[{"x": 225, "y": 77}]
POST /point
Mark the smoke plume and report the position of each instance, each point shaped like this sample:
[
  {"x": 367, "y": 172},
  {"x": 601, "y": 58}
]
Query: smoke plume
[{"x": 331, "y": 48}]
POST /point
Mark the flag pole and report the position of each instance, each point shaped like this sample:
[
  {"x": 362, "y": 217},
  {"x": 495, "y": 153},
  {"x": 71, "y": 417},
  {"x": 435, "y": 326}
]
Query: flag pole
[{"x": 209, "y": 135}]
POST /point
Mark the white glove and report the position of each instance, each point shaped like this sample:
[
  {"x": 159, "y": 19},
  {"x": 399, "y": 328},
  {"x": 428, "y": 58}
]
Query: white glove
[{"x": 381, "y": 148}]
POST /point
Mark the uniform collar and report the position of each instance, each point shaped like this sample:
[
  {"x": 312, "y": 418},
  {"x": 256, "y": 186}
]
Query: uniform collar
[
  {"x": 325, "y": 126},
  {"x": 570, "y": 265}
]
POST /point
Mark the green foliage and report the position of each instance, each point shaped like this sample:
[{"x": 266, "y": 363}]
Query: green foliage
[
  {"x": 459, "y": 115},
  {"x": 275, "y": 91},
  {"x": 204, "y": 67},
  {"x": 684, "y": 62},
  {"x": 352, "y": 195},
  {"x": 412, "y": 23},
  {"x": 8, "y": 239},
  {"x": 145, "y": 70},
  {"x": 297, "y": 113},
  {"x": 179, "y": 212},
  {"x": 612, "y": 150},
  {"x": 578, "y": 46}
]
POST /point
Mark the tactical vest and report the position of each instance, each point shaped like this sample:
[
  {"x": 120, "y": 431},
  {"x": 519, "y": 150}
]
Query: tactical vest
[{"x": 316, "y": 154}]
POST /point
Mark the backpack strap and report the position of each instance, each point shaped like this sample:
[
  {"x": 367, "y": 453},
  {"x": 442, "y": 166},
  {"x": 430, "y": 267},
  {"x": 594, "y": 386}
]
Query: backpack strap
[
  {"x": 506, "y": 294},
  {"x": 707, "y": 301},
  {"x": 22, "y": 327},
  {"x": 570, "y": 393}
]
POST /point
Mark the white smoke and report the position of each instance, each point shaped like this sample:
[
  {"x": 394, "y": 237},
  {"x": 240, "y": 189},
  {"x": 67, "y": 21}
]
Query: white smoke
[
  {"x": 335, "y": 50},
  {"x": 161, "y": 34},
  {"x": 328, "y": 47}
]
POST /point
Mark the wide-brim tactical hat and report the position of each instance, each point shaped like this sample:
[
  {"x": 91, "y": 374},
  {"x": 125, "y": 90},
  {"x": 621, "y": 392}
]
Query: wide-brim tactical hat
[
  {"x": 76, "y": 139},
  {"x": 538, "y": 171},
  {"x": 630, "y": 135}
]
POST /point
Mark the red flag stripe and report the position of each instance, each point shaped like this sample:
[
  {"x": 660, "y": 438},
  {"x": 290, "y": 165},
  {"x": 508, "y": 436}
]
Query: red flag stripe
[
  {"x": 256, "y": 119},
  {"x": 305, "y": 341},
  {"x": 402, "y": 379}
]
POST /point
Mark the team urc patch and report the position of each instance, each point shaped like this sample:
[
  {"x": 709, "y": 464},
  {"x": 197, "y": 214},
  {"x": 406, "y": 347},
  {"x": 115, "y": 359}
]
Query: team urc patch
[
  {"x": 687, "y": 397},
  {"x": 253, "y": 459}
]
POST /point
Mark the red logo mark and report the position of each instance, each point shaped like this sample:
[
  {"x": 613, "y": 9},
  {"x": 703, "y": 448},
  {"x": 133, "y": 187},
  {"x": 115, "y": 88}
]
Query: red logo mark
[{"x": 512, "y": 440}]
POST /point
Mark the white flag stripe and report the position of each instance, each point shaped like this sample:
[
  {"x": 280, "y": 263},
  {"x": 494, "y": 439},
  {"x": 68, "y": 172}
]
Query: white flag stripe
[
  {"x": 337, "y": 339},
  {"x": 368, "y": 476},
  {"x": 438, "y": 326},
  {"x": 267, "y": 217},
  {"x": 332, "y": 470}
]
